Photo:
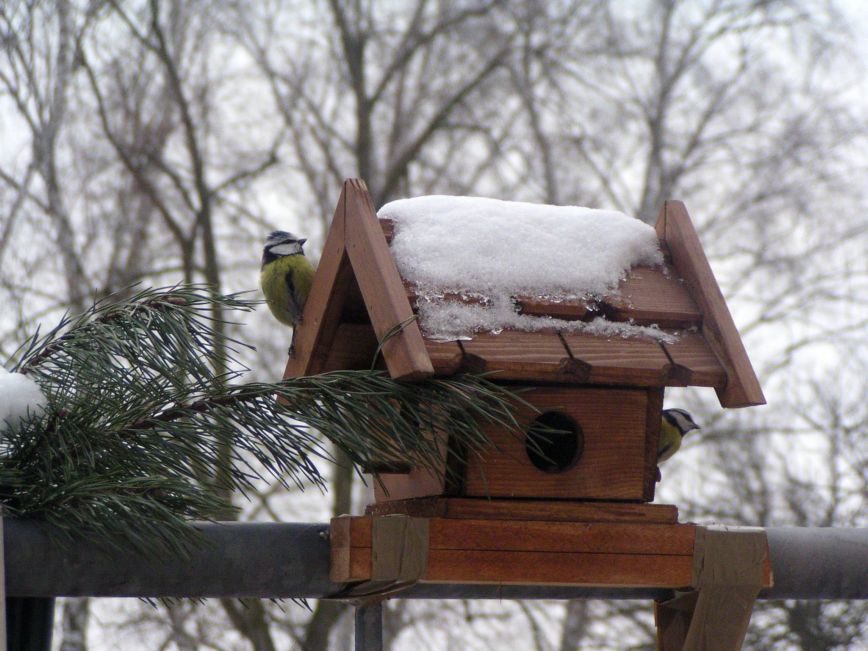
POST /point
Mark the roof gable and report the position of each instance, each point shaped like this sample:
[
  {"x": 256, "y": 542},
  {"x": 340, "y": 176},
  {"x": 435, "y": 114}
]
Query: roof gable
[
  {"x": 359, "y": 299},
  {"x": 675, "y": 229},
  {"x": 356, "y": 251}
]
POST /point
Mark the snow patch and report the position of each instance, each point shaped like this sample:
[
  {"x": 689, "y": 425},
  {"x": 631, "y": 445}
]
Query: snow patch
[
  {"x": 20, "y": 398},
  {"x": 443, "y": 320},
  {"x": 492, "y": 250}
]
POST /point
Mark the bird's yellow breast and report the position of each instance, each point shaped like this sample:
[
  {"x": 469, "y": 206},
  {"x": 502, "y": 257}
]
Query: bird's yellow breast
[
  {"x": 273, "y": 280},
  {"x": 670, "y": 441}
]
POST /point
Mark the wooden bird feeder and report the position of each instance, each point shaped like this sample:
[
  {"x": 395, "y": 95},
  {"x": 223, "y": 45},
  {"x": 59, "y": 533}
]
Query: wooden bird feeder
[
  {"x": 603, "y": 395},
  {"x": 578, "y": 513}
]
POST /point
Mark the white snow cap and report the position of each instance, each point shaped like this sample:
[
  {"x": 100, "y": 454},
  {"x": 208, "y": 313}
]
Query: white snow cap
[
  {"x": 19, "y": 396},
  {"x": 497, "y": 249}
]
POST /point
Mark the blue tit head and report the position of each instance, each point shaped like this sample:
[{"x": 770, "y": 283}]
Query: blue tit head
[
  {"x": 680, "y": 419},
  {"x": 280, "y": 244}
]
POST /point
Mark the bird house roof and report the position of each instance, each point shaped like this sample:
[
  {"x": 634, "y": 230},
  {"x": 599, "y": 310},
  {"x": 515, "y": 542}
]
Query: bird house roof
[{"x": 360, "y": 309}]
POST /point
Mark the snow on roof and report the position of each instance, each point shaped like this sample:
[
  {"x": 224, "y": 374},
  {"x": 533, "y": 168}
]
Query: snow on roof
[
  {"x": 20, "y": 397},
  {"x": 495, "y": 250}
]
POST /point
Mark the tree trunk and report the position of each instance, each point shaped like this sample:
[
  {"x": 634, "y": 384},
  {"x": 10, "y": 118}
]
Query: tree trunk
[
  {"x": 575, "y": 622},
  {"x": 76, "y": 613}
]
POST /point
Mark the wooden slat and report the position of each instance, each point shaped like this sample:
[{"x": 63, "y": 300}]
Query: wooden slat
[
  {"x": 653, "y": 296},
  {"x": 419, "y": 482},
  {"x": 646, "y": 296},
  {"x": 562, "y": 511},
  {"x": 589, "y": 359},
  {"x": 448, "y": 297},
  {"x": 519, "y": 350},
  {"x": 340, "y": 543},
  {"x": 573, "y": 309},
  {"x": 675, "y": 228},
  {"x": 312, "y": 338},
  {"x": 695, "y": 363},
  {"x": 513, "y": 509},
  {"x": 653, "y": 417},
  {"x": 551, "y": 568},
  {"x": 388, "y": 228},
  {"x": 446, "y": 356},
  {"x": 382, "y": 288},
  {"x": 516, "y": 355},
  {"x": 513, "y": 535},
  {"x": 631, "y": 361},
  {"x": 612, "y": 466},
  {"x": 537, "y": 568},
  {"x": 349, "y": 564},
  {"x": 542, "y": 568},
  {"x": 575, "y": 358}
]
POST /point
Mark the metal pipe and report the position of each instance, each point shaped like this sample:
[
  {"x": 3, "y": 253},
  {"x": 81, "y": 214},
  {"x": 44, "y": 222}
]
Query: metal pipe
[
  {"x": 236, "y": 559},
  {"x": 818, "y": 563},
  {"x": 29, "y": 624},
  {"x": 272, "y": 560},
  {"x": 369, "y": 627}
]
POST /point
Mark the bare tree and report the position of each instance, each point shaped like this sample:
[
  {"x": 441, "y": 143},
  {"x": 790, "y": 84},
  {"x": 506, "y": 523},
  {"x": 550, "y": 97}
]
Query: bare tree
[
  {"x": 150, "y": 137},
  {"x": 39, "y": 52},
  {"x": 171, "y": 157},
  {"x": 36, "y": 75},
  {"x": 153, "y": 109},
  {"x": 380, "y": 91}
]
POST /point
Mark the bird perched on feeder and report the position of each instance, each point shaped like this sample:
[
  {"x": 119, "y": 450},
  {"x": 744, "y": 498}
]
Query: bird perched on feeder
[
  {"x": 676, "y": 423},
  {"x": 286, "y": 276}
]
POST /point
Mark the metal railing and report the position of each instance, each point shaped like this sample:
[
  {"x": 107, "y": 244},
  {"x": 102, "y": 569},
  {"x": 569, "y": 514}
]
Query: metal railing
[{"x": 291, "y": 560}]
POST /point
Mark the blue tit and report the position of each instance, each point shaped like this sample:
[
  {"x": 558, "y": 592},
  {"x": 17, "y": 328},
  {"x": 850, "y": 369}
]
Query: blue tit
[
  {"x": 286, "y": 276},
  {"x": 675, "y": 424}
]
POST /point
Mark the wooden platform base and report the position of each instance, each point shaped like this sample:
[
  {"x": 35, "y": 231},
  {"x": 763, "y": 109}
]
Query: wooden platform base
[
  {"x": 531, "y": 552},
  {"x": 719, "y": 570},
  {"x": 524, "y": 542}
]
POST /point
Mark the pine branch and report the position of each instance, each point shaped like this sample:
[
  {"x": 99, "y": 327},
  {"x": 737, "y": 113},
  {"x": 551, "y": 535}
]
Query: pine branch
[{"x": 137, "y": 418}]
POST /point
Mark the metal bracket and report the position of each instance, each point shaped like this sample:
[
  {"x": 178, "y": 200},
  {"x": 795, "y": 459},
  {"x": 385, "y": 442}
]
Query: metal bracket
[{"x": 399, "y": 558}]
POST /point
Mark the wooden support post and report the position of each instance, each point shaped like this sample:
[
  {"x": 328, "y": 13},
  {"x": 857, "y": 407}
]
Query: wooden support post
[
  {"x": 672, "y": 619},
  {"x": 369, "y": 627},
  {"x": 728, "y": 570}
]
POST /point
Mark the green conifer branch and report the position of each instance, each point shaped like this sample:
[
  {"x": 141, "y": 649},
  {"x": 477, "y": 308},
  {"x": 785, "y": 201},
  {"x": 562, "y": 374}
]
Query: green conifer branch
[{"x": 137, "y": 417}]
